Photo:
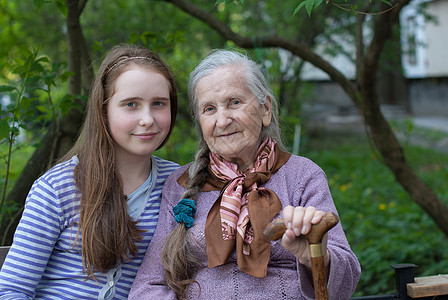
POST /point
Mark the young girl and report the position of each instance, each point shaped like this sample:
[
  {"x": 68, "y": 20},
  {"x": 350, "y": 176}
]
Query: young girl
[{"x": 88, "y": 221}]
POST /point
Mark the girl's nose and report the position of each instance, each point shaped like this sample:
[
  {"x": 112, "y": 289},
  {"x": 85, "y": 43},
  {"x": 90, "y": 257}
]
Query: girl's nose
[{"x": 146, "y": 118}]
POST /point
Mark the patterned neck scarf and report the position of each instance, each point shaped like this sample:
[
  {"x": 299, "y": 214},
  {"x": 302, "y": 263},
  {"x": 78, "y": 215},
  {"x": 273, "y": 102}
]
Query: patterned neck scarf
[
  {"x": 243, "y": 209},
  {"x": 234, "y": 209}
]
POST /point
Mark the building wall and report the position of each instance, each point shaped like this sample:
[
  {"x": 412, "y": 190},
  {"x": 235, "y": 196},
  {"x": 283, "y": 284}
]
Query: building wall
[
  {"x": 424, "y": 42},
  {"x": 437, "y": 40},
  {"x": 429, "y": 96},
  {"x": 424, "y": 59}
]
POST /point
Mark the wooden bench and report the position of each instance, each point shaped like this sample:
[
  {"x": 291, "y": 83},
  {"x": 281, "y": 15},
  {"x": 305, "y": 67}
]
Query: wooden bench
[
  {"x": 3, "y": 252},
  {"x": 428, "y": 286},
  {"x": 410, "y": 287}
]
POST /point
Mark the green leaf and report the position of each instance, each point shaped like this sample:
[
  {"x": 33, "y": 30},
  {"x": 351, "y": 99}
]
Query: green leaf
[
  {"x": 4, "y": 129},
  {"x": 410, "y": 126},
  {"x": 39, "y": 3},
  {"x": 229, "y": 1},
  {"x": 62, "y": 7},
  {"x": 43, "y": 59},
  {"x": 42, "y": 108},
  {"x": 299, "y": 7},
  {"x": 25, "y": 102},
  {"x": 16, "y": 69},
  {"x": 64, "y": 76},
  {"x": 29, "y": 62},
  {"x": 309, "y": 5},
  {"x": 15, "y": 130},
  {"x": 7, "y": 88}
]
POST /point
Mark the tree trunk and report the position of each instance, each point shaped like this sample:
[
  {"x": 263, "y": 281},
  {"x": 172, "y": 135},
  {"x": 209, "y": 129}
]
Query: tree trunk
[
  {"x": 363, "y": 95},
  {"x": 381, "y": 133},
  {"x": 62, "y": 133}
]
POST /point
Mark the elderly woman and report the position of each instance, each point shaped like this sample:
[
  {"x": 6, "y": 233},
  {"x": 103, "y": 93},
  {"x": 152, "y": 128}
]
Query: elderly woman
[{"x": 211, "y": 241}]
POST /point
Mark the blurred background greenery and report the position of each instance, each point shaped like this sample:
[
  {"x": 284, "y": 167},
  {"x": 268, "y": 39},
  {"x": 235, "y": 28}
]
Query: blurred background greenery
[{"x": 383, "y": 225}]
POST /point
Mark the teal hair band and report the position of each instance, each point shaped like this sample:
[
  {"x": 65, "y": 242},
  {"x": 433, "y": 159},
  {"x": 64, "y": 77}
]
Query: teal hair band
[{"x": 184, "y": 212}]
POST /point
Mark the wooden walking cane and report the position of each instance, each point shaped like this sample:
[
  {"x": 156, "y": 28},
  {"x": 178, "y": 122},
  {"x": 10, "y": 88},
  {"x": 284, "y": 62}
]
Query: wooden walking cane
[{"x": 277, "y": 228}]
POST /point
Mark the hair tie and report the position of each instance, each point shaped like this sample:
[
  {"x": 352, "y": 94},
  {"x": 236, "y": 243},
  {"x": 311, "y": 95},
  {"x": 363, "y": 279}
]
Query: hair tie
[
  {"x": 184, "y": 212},
  {"x": 120, "y": 61}
]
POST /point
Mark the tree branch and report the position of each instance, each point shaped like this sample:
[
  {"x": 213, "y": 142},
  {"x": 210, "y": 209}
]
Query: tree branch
[
  {"x": 81, "y": 6},
  {"x": 296, "y": 48},
  {"x": 382, "y": 31},
  {"x": 360, "y": 37}
]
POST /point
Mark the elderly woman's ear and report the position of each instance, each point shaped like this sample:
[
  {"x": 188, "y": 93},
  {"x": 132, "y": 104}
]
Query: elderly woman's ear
[{"x": 267, "y": 113}]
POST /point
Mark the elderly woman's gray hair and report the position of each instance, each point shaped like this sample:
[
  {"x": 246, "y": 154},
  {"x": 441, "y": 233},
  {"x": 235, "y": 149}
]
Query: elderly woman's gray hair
[{"x": 256, "y": 82}]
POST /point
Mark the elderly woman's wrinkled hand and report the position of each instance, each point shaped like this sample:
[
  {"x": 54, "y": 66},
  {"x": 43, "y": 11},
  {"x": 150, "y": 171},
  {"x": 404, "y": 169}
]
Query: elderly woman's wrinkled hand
[{"x": 298, "y": 222}]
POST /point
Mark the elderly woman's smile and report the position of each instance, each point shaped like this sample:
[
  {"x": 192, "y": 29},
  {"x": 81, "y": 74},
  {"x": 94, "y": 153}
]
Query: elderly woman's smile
[{"x": 230, "y": 116}]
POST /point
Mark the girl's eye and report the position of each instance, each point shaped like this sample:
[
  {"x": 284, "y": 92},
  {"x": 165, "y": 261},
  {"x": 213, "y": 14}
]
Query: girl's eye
[
  {"x": 131, "y": 104},
  {"x": 160, "y": 103}
]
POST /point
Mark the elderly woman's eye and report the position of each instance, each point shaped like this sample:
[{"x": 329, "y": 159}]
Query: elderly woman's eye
[
  {"x": 208, "y": 109},
  {"x": 235, "y": 102}
]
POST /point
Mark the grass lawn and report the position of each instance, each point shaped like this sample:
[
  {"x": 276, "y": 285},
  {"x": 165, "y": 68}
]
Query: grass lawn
[{"x": 383, "y": 225}]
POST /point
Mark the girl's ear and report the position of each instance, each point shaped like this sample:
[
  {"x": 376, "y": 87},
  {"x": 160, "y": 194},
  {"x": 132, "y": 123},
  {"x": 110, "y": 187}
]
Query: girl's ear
[{"x": 267, "y": 112}]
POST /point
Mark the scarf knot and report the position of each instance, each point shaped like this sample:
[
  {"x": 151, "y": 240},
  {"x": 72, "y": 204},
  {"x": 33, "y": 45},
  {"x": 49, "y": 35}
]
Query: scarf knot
[{"x": 243, "y": 209}]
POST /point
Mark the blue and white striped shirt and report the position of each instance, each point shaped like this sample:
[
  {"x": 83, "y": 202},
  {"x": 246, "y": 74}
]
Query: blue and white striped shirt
[{"x": 42, "y": 262}]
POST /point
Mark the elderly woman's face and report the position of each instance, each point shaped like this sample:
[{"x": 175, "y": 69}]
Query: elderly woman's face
[{"x": 230, "y": 116}]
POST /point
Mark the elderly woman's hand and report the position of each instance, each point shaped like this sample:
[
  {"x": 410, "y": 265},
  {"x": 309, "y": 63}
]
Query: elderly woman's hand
[{"x": 298, "y": 222}]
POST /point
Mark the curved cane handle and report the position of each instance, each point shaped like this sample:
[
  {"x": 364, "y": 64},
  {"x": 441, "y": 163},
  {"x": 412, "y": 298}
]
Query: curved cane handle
[{"x": 277, "y": 228}]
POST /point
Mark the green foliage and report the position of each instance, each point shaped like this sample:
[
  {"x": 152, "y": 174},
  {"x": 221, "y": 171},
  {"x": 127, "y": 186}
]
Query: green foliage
[
  {"x": 383, "y": 225},
  {"x": 182, "y": 144},
  {"x": 31, "y": 106},
  {"x": 31, "y": 94},
  {"x": 229, "y": 1},
  {"x": 21, "y": 152},
  {"x": 309, "y": 6}
]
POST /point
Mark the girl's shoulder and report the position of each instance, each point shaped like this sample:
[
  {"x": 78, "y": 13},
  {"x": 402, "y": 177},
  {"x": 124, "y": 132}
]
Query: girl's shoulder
[
  {"x": 179, "y": 172},
  {"x": 62, "y": 171},
  {"x": 56, "y": 187},
  {"x": 164, "y": 165}
]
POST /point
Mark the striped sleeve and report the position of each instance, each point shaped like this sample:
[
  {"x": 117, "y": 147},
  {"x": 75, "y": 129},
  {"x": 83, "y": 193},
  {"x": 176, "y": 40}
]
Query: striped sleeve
[
  {"x": 34, "y": 241},
  {"x": 42, "y": 261},
  {"x": 148, "y": 219}
]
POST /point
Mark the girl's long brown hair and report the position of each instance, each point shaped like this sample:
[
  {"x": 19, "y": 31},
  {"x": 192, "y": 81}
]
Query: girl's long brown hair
[{"x": 108, "y": 233}]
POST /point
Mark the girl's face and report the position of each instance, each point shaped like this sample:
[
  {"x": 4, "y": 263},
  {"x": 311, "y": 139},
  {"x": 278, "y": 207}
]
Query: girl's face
[{"x": 138, "y": 113}]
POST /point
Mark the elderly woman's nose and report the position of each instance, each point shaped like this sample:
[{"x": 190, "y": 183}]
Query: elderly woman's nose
[{"x": 223, "y": 117}]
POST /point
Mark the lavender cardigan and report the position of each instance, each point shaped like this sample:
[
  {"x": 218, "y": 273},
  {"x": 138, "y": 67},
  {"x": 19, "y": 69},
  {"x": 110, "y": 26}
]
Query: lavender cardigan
[{"x": 299, "y": 182}]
